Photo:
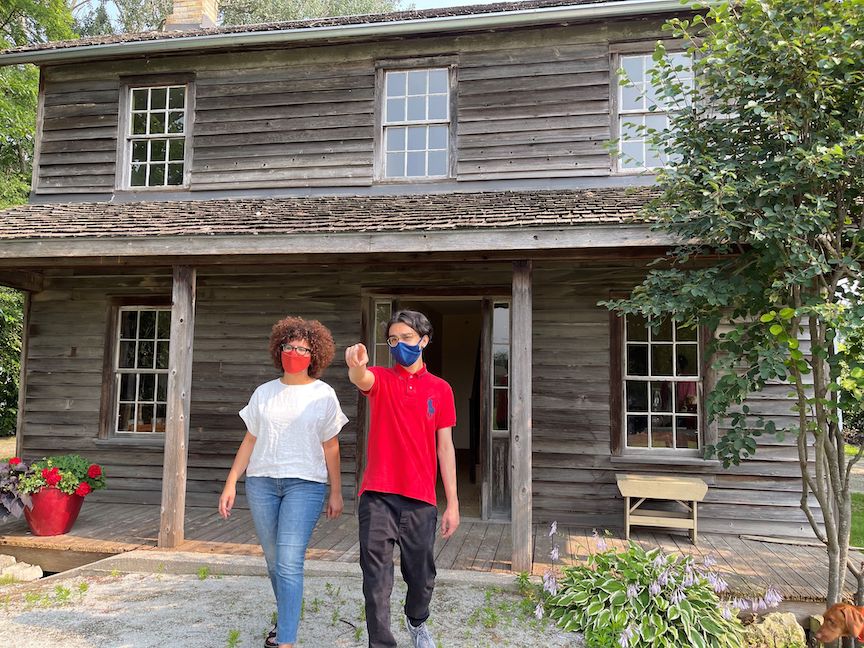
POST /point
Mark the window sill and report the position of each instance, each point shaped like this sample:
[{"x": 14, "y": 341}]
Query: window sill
[
  {"x": 666, "y": 460},
  {"x": 145, "y": 443}
]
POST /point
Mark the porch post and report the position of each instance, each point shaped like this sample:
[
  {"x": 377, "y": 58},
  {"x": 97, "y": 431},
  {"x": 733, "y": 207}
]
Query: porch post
[
  {"x": 520, "y": 417},
  {"x": 22, "y": 379},
  {"x": 177, "y": 424}
]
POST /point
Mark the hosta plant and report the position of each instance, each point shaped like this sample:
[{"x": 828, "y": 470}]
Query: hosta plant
[{"x": 644, "y": 599}]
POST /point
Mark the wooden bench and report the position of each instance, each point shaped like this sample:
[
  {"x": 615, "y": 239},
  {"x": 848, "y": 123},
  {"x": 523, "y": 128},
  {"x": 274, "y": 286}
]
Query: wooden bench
[{"x": 687, "y": 491}]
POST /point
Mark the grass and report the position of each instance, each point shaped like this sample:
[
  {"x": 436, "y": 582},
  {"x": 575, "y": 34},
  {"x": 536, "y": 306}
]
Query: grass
[
  {"x": 850, "y": 450},
  {"x": 7, "y": 447},
  {"x": 856, "y": 536}
]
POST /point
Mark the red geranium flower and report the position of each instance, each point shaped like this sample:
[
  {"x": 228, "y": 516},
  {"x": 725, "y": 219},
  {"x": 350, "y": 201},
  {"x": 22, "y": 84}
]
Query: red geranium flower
[
  {"x": 83, "y": 489},
  {"x": 14, "y": 461},
  {"x": 51, "y": 476},
  {"x": 94, "y": 471}
]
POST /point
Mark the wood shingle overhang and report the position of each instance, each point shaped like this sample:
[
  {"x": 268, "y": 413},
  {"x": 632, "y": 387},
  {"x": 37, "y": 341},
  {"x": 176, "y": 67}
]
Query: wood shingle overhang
[{"x": 502, "y": 220}]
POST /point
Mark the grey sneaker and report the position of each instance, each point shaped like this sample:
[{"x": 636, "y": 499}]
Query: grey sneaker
[{"x": 420, "y": 636}]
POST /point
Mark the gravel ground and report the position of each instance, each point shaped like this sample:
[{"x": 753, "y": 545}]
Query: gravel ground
[{"x": 154, "y": 607}]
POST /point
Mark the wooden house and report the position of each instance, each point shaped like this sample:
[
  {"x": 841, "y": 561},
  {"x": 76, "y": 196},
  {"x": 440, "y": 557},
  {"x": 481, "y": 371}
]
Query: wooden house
[{"x": 192, "y": 186}]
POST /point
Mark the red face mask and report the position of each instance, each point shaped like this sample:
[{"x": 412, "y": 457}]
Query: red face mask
[{"x": 293, "y": 363}]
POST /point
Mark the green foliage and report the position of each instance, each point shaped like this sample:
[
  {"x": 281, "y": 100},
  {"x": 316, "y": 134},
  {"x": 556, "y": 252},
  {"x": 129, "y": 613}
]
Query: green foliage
[
  {"x": 641, "y": 599},
  {"x": 11, "y": 322},
  {"x": 851, "y": 387},
  {"x": 73, "y": 471},
  {"x": 856, "y": 535}
]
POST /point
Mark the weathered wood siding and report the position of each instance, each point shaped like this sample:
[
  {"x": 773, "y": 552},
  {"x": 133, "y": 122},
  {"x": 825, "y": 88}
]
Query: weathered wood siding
[
  {"x": 530, "y": 104},
  {"x": 574, "y": 473}
]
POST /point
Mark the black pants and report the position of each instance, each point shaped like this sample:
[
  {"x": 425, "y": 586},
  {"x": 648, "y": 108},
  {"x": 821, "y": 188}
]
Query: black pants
[{"x": 386, "y": 520}]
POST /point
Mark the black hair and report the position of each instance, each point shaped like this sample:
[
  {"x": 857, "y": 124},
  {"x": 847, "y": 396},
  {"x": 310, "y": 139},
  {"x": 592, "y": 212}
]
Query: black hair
[{"x": 417, "y": 321}]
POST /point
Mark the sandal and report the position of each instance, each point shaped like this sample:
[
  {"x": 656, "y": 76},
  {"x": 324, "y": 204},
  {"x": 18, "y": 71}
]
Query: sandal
[{"x": 270, "y": 641}]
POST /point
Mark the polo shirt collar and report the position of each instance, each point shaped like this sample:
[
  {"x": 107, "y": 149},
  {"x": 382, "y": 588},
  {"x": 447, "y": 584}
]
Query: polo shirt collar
[{"x": 402, "y": 371}]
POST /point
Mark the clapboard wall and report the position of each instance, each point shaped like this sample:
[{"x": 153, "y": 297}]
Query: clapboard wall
[
  {"x": 573, "y": 471},
  {"x": 530, "y": 103}
]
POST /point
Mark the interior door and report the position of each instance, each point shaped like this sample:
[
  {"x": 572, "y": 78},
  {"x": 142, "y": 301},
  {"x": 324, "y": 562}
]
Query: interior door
[{"x": 495, "y": 410}]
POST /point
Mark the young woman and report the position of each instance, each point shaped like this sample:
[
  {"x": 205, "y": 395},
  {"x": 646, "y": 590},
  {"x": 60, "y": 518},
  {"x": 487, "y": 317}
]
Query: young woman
[{"x": 289, "y": 452}]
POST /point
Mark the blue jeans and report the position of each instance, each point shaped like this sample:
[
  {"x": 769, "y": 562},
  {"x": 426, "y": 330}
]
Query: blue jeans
[{"x": 285, "y": 512}]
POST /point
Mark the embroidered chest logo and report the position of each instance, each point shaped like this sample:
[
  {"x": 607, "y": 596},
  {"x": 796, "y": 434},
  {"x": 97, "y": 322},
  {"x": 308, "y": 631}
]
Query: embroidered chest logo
[{"x": 430, "y": 408}]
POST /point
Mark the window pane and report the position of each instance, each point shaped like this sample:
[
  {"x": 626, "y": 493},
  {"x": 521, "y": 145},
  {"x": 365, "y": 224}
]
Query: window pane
[
  {"x": 395, "y": 84},
  {"x": 637, "y": 396},
  {"x": 417, "y": 82},
  {"x": 126, "y": 360},
  {"x": 683, "y": 334},
  {"x": 125, "y": 416},
  {"x": 500, "y": 410},
  {"x": 162, "y": 355},
  {"x": 661, "y": 432},
  {"x": 177, "y": 97},
  {"x": 637, "y": 431},
  {"x": 176, "y": 149},
  {"x": 158, "y": 150},
  {"x": 438, "y": 80},
  {"x": 147, "y": 329},
  {"x": 145, "y": 355},
  {"x": 417, "y": 139},
  {"x": 687, "y": 432},
  {"x": 157, "y": 175},
  {"x": 128, "y": 324},
  {"x": 501, "y": 362},
  {"x": 637, "y": 359},
  {"x": 630, "y": 128},
  {"x": 139, "y": 124},
  {"x": 146, "y": 387},
  {"x": 654, "y": 158},
  {"x": 631, "y": 97},
  {"x": 157, "y": 123},
  {"x": 438, "y": 137},
  {"x": 661, "y": 359},
  {"x": 395, "y": 110},
  {"x": 158, "y": 98},
  {"x": 501, "y": 323},
  {"x": 139, "y": 99},
  {"x": 138, "y": 178},
  {"x": 139, "y": 151},
  {"x": 395, "y": 139},
  {"x": 163, "y": 329},
  {"x": 437, "y": 163},
  {"x": 687, "y": 360},
  {"x": 438, "y": 107},
  {"x": 395, "y": 165},
  {"x": 632, "y": 155},
  {"x": 416, "y": 164},
  {"x": 127, "y": 386},
  {"x": 657, "y": 122},
  {"x": 175, "y": 122},
  {"x": 686, "y": 397},
  {"x": 637, "y": 329},
  {"x": 175, "y": 174},
  {"x": 161, "y": 416},
  {"x": 145, "y": 418},
  {"x": 162, "y": 387},
  {"x": 661, "y": 397},
  {"x": 417, "y": 108},
  {"x": 661, "y": 331},
  {"x": 634, "y": 68}
]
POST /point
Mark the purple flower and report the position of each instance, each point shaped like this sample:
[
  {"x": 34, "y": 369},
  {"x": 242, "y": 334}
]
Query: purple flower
[
  {"x": 726, "y": 612},
  {"x": 717, "y": 583},
  {"x": 708, "y": 562},
  {"x": 550, "y": 583},
  {"x": 677, "y": 596},
  {"x": 538, "y": 611},
  {"x": 632, "y": 591},
  {"x": 601, "y": 543},
  {"x": 553, "y": 528},
  {"x": 654, "y": 588},
  {"x": 626, "y": 636},
  {"x": 663, "y": 578},
  {"x": 659, "y": 561},
  {"x": 772, "y": 597}
]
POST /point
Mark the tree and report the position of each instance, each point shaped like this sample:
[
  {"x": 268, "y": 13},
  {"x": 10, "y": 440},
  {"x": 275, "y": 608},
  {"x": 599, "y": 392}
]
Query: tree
[
  {"x": 11, "y": 306},
  {"x": 765, "y": 193}
]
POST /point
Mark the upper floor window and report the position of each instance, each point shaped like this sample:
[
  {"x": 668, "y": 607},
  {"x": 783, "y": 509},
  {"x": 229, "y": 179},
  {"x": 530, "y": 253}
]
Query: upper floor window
[
  {"x": 662, "y": 385},
  {"x": 640, "y": 107},
  {"x": 416, "y": 123},
  {"x": 157, "y": 136}
]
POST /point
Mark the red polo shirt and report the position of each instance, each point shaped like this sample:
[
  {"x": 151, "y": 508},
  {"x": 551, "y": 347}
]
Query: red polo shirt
[{"x": 406, "y": 412}]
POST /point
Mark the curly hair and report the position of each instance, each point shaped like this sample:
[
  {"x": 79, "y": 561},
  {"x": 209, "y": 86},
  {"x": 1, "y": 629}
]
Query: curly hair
[{"x": 297, "y": 328}]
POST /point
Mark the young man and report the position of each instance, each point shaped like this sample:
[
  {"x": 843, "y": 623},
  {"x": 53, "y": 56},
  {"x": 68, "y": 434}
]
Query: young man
[{"x": 410, "y": 431}]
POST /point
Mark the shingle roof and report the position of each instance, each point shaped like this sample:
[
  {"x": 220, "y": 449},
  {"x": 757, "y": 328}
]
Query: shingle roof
[
  {"x": 334, "y": 21},
  {"x": 505, "y": 210}
]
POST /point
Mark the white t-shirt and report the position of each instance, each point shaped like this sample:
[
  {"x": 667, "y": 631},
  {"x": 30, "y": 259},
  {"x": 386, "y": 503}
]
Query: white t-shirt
[{"x": 289, "y": 423}]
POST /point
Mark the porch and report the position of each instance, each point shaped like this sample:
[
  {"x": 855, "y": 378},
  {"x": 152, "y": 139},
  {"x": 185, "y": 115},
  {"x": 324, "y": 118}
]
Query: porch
[{"x": 795, "y": 568}]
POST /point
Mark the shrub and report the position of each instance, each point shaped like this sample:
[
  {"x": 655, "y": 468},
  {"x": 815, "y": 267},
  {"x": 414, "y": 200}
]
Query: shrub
[{"x": 641, "y": 599}]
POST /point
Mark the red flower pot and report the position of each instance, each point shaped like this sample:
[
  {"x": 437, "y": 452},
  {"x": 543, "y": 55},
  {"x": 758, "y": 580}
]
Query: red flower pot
[{"x": 53, "y": 512}]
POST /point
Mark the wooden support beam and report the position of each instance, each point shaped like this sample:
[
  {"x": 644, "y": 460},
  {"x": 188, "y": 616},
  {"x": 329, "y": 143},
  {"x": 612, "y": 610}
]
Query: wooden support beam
[
  {"x": 22, "y": 381},
  {"x": 171, "y": 526},
  {"x": 520, "y": 417},
  {"x": 22, "y": 280}
]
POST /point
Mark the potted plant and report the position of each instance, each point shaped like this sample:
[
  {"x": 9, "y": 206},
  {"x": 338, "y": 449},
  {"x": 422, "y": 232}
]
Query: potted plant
[
  {"x": 56, "y": 487},
  {"x": 12, "y": 500}
]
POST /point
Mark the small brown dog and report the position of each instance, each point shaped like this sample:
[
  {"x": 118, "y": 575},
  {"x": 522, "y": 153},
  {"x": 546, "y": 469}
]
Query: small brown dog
[{"x": 841, "y": 620}]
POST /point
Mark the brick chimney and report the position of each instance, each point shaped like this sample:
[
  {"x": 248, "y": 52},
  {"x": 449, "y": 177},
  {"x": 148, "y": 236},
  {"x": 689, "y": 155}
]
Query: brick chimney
[{"x": 192, "y": 14}]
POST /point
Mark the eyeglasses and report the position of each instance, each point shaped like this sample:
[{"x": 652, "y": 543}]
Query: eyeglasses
[
  {"x": 407, "y": 338},
  {"x": 303, "y": 351}
]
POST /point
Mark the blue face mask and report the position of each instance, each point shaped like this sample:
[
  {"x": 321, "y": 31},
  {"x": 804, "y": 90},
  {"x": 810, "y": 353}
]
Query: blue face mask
[{"x": 406, "y": 354}]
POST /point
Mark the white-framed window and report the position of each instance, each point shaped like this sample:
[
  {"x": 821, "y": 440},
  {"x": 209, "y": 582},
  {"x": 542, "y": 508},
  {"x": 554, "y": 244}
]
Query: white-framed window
[
  {"x": 141, "y": 369},
  {"x": 640, "y": 106},
  {"x": 416, "y": 123},
  {"x": 662, "y": 386},
  {"x": 156, "y": 136}
]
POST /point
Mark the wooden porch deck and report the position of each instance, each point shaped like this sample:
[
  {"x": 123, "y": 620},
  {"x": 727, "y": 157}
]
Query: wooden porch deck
[{"x": 749, "y": 565}]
